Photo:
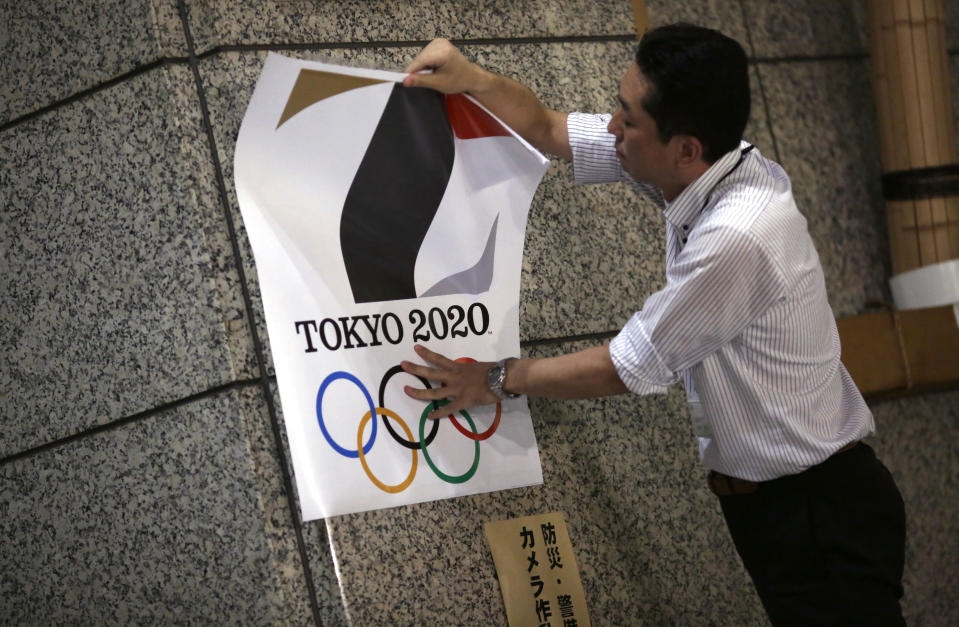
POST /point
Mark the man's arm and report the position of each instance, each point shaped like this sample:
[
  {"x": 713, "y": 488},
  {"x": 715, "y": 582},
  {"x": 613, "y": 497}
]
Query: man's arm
[
  {"x": 584, "y": 374},
  {"x": 512, "y": 102}
]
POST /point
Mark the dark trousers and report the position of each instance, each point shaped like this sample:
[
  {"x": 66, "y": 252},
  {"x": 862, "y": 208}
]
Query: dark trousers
[{"x": 826, "y": 546}]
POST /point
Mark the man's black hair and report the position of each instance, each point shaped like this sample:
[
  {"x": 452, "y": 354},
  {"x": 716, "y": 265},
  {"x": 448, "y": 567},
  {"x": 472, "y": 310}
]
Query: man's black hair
[{"x": 698, "y": 84}]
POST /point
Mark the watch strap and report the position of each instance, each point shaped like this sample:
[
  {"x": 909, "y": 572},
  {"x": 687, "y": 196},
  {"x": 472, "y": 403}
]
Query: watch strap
[{"x": 497, "y": 379}]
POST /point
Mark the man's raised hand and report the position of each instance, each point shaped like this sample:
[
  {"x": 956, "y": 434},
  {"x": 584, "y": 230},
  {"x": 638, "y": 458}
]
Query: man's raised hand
[{"x": 452, "y": 73}]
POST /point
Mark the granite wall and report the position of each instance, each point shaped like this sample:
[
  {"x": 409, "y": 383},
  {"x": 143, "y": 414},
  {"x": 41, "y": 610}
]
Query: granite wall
[{"x": 144, "y": 475}]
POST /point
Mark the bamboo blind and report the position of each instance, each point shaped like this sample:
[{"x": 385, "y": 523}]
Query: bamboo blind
[{"x": 916, "y": 125}]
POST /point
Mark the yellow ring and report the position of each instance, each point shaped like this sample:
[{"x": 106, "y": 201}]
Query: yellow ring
[{"x": 393, "y": 489}]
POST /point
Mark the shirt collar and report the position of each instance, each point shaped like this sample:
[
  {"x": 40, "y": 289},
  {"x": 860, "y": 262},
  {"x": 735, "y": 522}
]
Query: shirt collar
[{"x": 685, "y": 208}]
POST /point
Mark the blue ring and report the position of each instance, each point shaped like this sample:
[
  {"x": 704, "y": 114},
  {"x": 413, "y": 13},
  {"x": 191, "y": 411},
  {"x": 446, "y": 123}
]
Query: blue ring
[{"x": 319, "y": 414}]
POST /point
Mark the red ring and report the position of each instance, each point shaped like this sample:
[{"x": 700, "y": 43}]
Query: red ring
[{"x": 464, "y": 430}]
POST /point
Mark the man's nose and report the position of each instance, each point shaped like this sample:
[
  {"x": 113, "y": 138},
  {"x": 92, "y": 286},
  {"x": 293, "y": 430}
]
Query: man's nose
[{"x": 613, "y": 127}]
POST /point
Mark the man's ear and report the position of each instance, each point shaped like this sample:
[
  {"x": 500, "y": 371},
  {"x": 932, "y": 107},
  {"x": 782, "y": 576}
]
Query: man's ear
[{"x": 690, "y": 150}]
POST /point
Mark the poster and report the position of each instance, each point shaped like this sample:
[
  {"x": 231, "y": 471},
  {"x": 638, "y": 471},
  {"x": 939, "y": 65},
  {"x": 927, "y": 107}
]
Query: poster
[{"x": 382, "y": 216}]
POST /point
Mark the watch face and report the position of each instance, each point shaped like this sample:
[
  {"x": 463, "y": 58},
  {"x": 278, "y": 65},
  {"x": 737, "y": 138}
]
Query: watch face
[{"x": 494, "y": 374}]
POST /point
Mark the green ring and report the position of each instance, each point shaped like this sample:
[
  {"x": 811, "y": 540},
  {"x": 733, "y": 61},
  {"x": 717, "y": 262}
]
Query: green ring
[{"x": 429, "y": 462}]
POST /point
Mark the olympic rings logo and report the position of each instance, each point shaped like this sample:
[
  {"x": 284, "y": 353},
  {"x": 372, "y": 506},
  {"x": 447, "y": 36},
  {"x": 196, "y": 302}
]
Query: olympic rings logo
[{"x": 362, "y": 450}]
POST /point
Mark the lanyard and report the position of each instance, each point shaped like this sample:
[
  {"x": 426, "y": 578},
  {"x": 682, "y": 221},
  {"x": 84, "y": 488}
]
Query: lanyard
[{"x": 742, "y": 157}]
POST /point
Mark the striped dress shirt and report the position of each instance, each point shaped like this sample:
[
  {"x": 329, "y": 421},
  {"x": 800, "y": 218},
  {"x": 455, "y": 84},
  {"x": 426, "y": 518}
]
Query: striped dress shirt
[{"x": 743, "y": 318}]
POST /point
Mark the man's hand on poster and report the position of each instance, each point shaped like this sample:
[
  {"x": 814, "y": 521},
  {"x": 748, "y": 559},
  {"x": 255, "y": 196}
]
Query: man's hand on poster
[{"x": 464, "y": 384}]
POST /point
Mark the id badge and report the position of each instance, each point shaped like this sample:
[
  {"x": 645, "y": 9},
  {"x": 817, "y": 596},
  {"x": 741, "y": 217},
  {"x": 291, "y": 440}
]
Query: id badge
[{"x": 697, "y": 415}]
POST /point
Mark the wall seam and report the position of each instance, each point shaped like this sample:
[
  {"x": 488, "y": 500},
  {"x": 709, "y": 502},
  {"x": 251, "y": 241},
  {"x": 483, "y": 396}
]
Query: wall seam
[
  {"x": 126, "y": 420},
  {"x": 817, "y": 58},
  {"x": 564, "y": 339},
  {"x": 89, "y": 91},
  {"x": 168, "y": 61},
  {"x": 415, "y": 43},
  {"x": 248, "y": 306}
]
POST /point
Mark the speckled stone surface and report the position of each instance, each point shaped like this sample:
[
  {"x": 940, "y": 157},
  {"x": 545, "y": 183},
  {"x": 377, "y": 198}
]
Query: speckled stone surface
[
  {"x": 918, "y": 440},
  {"x": 723, "y": 15},
  {"x": 220, "y": 22},
  {"x": 789, "y": 28},
  {"x": 649, "y": 538},
  {"x": 326, "y": 582},
  {"x": 600, "y": 240},
  {"x": 807, "y": 27},
  {"x": 824, "y": 122},
  {"x": 166, "y": 520},
  {"x": 119, "y": 290},
  {"x": 55, "y": 48}
]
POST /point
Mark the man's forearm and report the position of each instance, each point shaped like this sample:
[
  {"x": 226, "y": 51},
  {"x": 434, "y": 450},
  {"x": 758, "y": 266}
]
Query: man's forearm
[
  {"x": 521, "y": 110},
  {"x": 442, "y": 67},
  {"x": 584, "y": 374}
]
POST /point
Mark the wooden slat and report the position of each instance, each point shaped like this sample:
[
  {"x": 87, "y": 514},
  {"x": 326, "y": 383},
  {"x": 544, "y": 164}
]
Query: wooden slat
[
  {"x": 940, "y": 229},
  {"x": 939, "y": 66},
  {"x": 925, "y": 95},
  {"x": 909, "y": 85},
  {"x": 952, "y": 215},
  {"x": 898, "y": 158},
  {"x": 894, "y": 224},
  {"x": 925, "y": 233},
  {"x": 640, "y": 17},
  {"x": 880, "y": 81},
  {"x": 905, "y": 236}
]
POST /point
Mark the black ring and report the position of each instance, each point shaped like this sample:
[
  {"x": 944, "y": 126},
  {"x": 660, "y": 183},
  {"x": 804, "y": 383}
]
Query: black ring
[
  {"x": 921, "y": 183},
  {"x": 415, "y": 446}
]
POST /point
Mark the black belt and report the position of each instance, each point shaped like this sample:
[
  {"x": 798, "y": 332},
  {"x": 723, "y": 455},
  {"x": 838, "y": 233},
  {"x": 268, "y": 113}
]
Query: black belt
[{"x": 724, "y": 485}]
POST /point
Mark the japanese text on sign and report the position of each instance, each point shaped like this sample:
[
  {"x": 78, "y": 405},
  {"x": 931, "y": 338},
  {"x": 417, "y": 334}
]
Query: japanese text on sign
[{"x": 537, "y": 571}]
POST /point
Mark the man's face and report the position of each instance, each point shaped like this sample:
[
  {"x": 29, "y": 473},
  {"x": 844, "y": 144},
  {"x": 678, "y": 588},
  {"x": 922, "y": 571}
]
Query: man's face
[{"x": 643, "y": 155}]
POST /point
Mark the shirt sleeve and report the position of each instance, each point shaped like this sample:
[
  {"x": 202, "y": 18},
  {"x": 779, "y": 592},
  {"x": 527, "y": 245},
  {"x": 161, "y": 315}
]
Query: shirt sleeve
[
  {"x": 594, "y": 154},
  {"x": 594, "y": 149},
  {"x": 719, "y": 284}
]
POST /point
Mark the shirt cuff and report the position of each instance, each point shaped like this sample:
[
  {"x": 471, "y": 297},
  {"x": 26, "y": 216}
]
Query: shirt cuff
[
  {"x": 637, "y": 362},
  {"x": 594, "y": 149}
]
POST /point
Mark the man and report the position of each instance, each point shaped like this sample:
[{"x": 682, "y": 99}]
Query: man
[{"x": 743, "y": 320}]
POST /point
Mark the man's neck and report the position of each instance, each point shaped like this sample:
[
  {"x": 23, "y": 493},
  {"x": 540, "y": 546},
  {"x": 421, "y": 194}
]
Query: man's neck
[{"x": 684, "y": 179}]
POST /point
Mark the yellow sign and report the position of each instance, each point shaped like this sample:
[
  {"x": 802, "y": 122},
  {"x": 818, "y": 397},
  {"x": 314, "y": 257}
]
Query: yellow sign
[{"x": 537, "y": 571}]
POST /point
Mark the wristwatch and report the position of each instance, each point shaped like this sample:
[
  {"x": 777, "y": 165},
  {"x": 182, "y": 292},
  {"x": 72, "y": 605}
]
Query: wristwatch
[{"x": 495, "y": 380}]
